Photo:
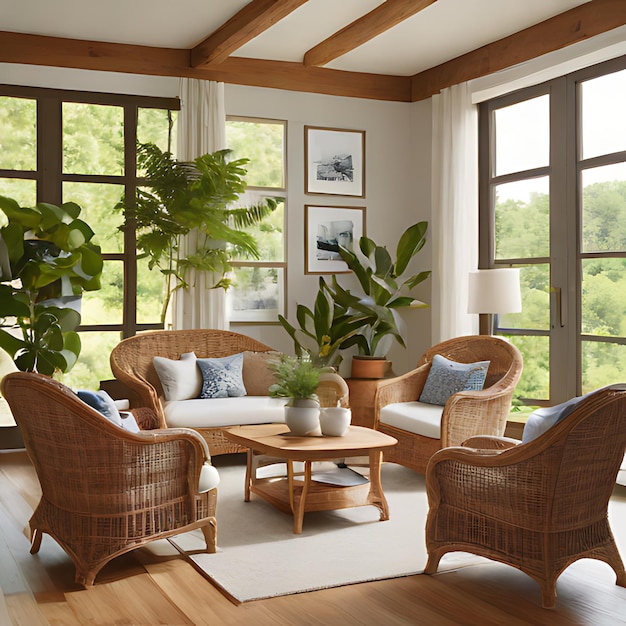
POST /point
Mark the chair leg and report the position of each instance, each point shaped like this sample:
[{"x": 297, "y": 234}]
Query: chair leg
[
  {"x": 432, "y": 563},
  {"x": 548, "y": 594},
  {"x": 210, "y": 535},
  {"x": 35, "y": 540}
]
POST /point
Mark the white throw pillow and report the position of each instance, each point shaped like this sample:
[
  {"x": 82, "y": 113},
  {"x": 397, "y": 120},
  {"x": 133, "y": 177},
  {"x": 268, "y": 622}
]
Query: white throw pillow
[{"x": 180, "y": 379}]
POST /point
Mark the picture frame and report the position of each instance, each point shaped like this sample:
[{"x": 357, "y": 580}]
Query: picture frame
[
  {"x": 258, "y": 293},
  {"x": 334, "y": 161},
  {"x": 325, "y": 228}
]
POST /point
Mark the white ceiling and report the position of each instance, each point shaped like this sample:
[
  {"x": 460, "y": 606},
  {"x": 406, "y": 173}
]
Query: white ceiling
[{"x": 442, "y": 31}]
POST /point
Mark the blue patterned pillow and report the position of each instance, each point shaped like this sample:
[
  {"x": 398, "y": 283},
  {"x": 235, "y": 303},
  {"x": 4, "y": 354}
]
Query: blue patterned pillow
[
  {"x": 221, "y": 378},
  {"x": 449, "y": 377}
]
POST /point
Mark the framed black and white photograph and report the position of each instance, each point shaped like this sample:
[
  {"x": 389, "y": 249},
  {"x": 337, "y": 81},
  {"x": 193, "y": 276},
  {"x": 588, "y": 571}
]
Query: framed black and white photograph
[
  {"x": 326, "y": 228},
  {"x": 334, "y": 161}
]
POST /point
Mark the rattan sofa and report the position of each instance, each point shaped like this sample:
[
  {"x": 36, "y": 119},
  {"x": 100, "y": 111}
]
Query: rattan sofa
[{"x": 132, "y": 364}]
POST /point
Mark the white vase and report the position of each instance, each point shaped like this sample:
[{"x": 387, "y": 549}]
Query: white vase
[
  {"x": 303, "y": 418},
  {"x": 335, "y": 421}
]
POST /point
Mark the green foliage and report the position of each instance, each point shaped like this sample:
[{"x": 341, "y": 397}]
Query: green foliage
[
  {"x": 322, "y": 330},
  {"x": 185, "y": 197},
  {"x": 368, "y": 319},
  {"x": 384, "y": 291},
  {"x": 296, "y": 377},
  {"x": 46, "y": 255}
]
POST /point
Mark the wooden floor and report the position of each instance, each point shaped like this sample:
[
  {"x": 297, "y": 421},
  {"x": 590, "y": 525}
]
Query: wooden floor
[{"x": 144, "y": 588}]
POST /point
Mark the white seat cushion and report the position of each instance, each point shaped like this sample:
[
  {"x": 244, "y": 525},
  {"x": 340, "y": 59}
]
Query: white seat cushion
[
  {"x": 216, "y": 412},
  {"x": 415, "y": 417}
]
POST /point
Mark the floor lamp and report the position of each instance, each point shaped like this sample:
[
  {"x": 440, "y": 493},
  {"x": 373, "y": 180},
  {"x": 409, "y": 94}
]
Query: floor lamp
[{"x": 491, "y": 292}]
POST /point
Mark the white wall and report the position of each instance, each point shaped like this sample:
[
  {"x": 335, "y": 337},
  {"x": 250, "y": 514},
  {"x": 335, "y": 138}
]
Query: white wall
[
  {"x": 397, "y": 174},
  {"x": 396, "y": 195}
]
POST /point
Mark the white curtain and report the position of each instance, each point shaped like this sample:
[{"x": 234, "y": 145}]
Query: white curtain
[
  {"x": 201, "y": 129},
  {"x": 454, "y": 211}
]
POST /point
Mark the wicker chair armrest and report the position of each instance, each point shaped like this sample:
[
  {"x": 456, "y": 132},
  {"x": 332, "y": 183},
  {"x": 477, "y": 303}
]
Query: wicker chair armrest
[
  {"x": 506, "y": 484},
  {"x": 166, "y": 435},
  {"x": 404, "y": 388},
  {"x": 471, "y": 413},
  {"x": 484, "y": 442},
  {"x": 146, "y": 418}
]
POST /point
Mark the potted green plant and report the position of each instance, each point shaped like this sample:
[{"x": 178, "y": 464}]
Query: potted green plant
[
  {"x": 322, "y": 330},
  {"x": 199, "y": 196},
  {"x": 47, "y": 260},
  {"x": 369, "y": 318},
  {"x": 297, "y": 378},
  {"x": 384, "y": 291}
]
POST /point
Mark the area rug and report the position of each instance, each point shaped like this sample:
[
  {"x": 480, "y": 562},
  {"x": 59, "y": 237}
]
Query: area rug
[{"x": 258, "y": 555}]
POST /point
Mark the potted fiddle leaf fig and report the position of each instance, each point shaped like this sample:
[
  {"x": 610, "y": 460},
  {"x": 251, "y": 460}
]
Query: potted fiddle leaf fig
[
  {"x": 47, "y": 260},
  {"x": 198, "y": 197}
]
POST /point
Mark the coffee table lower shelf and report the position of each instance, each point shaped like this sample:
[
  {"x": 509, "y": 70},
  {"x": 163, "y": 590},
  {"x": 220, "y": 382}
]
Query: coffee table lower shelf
[{"x": 319, "y": 496}]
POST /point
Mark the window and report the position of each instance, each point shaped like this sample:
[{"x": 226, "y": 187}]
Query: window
[
  {"x": 553, "y": 202},
  {"x": 257, "y": 293},
  {"x": 60, "y": 146}
]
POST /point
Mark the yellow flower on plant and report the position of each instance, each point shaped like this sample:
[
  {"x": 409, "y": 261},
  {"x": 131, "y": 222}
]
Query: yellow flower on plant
[{"x": 325, "y": 347}]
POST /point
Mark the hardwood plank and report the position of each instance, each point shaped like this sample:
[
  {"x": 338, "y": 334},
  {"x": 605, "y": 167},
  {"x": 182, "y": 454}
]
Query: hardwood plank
[
  {"x": 377, "y": 21},
  {"x": 131, "y": 600},
  {"x": 256, "y": 17},
  {"x": 23, "y": 609},
  {"x": 578, "y": 24}
]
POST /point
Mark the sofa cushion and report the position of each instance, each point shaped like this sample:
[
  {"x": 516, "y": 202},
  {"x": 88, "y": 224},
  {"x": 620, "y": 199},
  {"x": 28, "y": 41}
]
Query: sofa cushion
[
  {"x": 221, "y": 377},
  {"x": 420, "y": 418},
  {"x": 180, "y": 379},
  {"x": 257, "y": 376},
  {"x": 215, "y": 412},
  {"x": 447, "y": 377}
]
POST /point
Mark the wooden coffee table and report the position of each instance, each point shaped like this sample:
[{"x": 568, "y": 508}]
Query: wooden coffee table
[{"x": 300, "y": 494}]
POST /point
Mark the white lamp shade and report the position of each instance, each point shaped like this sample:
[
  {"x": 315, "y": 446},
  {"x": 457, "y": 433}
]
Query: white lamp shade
[{"x": 494, "y": 291}]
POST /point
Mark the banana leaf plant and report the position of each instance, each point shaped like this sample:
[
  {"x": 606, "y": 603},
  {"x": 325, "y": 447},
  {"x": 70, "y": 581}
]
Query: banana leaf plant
[
  {"x": 46, "y": 259},
  {"x": 200, "y": 198},
  {"x": 383, "y": 292}
]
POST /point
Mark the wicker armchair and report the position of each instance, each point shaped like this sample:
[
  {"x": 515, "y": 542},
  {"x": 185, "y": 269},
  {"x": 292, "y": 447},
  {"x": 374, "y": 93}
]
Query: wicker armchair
[
  {"x": 537, "y": 506},
  {"x": 106, "y": 491},
  {"x": 465, "y": 414}
]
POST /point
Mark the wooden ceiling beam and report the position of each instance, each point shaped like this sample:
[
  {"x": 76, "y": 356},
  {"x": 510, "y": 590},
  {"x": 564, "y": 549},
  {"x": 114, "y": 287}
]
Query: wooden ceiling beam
[
  {"x": 112, "y": 57},
  {"x": 577, "y": 24},
  {"x": 381, "y": 19},
  {"x": 255, "y": 18}
]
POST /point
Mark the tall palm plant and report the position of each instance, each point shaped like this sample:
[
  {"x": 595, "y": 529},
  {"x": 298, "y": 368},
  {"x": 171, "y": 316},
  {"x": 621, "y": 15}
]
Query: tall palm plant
[{"x": 184, "y": 197}]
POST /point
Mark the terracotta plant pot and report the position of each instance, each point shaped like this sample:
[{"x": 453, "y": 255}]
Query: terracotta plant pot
[{"x": 370, "y": 367}]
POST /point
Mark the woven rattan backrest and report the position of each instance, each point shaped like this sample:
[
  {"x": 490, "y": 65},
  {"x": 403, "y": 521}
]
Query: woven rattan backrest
[
  {"x": 582, "y": 456},
  {"x": 73, "y": 448},
  {"x": 505, "y": 359},
  {"x": 133, "y": 356}
]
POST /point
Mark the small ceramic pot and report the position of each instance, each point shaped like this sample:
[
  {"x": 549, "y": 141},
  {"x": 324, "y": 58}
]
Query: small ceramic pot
[
  {"x": 335, "y": 421},
  {"x": 303, "y": 420}
]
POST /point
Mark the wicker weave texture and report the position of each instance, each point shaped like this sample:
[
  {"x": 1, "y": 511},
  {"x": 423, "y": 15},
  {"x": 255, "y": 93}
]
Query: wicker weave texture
[
  {"x": 105, "y": 491},
  {"x": 465, "y": 414},
  {"x": 539, "y": 506}
]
